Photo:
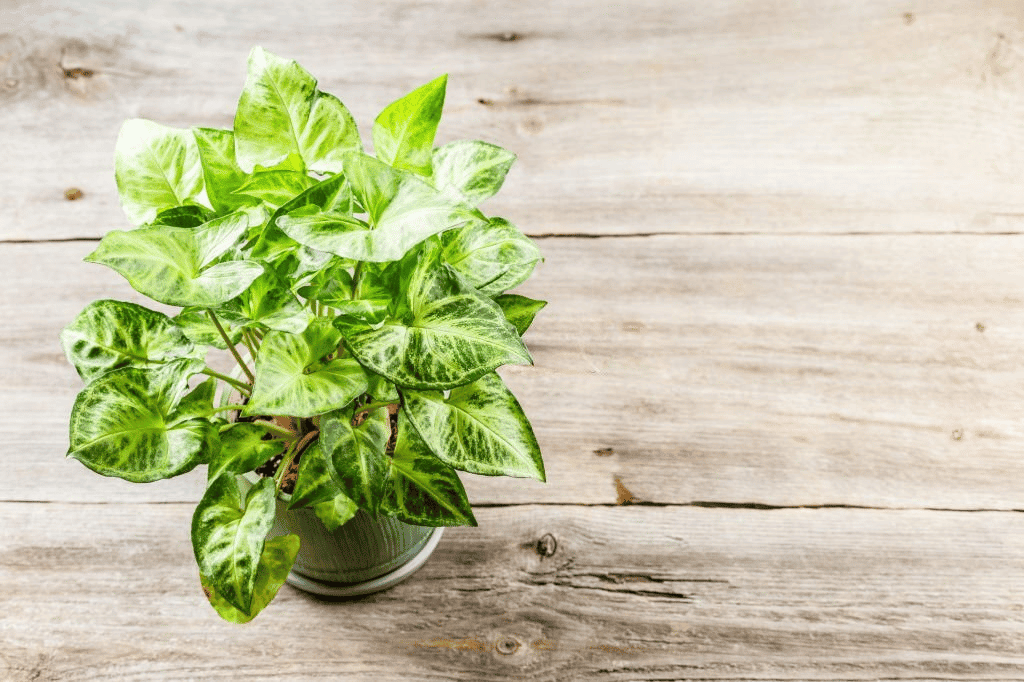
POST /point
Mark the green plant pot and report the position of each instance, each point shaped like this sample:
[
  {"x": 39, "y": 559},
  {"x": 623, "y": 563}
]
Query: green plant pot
[{"x": 367, "y": 554}]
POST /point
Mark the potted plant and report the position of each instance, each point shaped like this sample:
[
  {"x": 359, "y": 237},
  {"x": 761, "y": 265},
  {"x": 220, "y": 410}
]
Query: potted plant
[{"x": 331, "y": 326}]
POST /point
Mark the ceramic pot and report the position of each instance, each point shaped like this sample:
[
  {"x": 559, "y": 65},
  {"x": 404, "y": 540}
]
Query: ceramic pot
[{"x": 367, "y": 554}]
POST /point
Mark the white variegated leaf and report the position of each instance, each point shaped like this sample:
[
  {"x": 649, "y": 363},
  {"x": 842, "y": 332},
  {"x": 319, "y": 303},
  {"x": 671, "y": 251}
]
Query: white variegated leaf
[
  {"x": 479, "y": 428},
  {"x": 274, "y": 566},
  {"x": 493, "y": 257},
  {"x": 470, "y": 170},
  {"x": 228, "y": 536},
  {"x": 355, "y": 456},
  {"x": 110, "y": 334}
]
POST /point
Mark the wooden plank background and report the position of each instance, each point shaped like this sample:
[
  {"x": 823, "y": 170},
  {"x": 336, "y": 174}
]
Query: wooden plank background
[{"x": 778, "y": 385}]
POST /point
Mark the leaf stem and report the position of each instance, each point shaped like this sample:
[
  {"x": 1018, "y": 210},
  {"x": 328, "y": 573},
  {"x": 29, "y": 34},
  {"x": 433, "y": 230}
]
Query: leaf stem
[
  {"x": 274, "y": 428},
  {"x": 286, "y": 462},
  {"x": 369, "y": 407},
  {"x": 241, "y": 386},
  {"x": 247, "y": 339},
  {"x": 231, "y": 346}
]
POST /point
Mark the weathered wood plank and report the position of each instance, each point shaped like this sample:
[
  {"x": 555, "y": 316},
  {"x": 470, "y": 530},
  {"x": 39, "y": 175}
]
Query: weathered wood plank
[
  {"x": 815, "y": 370},
  {"x": 97, "y": 592},
  {"x": 642, "y": 117}
]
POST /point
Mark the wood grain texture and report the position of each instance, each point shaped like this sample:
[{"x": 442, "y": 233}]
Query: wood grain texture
[
  {"x": 650, "y": 116},
  {"x": 875, "y": 371},
  {"x": 632, "y": 593}
]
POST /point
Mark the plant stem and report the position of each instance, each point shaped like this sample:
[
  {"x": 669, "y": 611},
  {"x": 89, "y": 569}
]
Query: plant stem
[
  {"x": 286, "y": 462},
  {"x": 247, "y": 339},
  {"x": 274, "y": 428},
  {"x": 231, "y": 346},
  {"x": 241, "y": 386},
  {"x": 369, "y": 407}
]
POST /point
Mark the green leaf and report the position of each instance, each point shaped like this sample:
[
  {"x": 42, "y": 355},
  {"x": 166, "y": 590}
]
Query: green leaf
[
  {"x": 172, "y": 265},
  {"x": 110, "y": 334},
  {"x": 314, "y": 483},
  {"x": 221, "y": 173},
  {"x": 198, "y": 403},
  {"x": 402, "y": 211},
  {"x": 192, "y": 215},
  {"x": 281, "y": 111},
  {"x": 449, "y": 335},
  {"x": 275, "y": 563},
  {"x": 335, "y": 513},
  {"x": 200, "y": 330},
  {"x": 243, "y": 447},
  {"x": 276, "y": 187},
  {"x": 470, "y": 170},
  {"x": 327, "y": 195},
  {"x": 421, "y": 489},
  {"x": 493, "y": 257},
  {"x": 267, "y": 302},
  {"x": 124, "y": 424},
  {"x": 156, "y": 167},
  {"x": 295, "y": 378},
  {"x": 519, "y": 310},
  {"x": 479, "y": 428},
  {"x": 403, "y": 134},
  {"x": 355, "y": 455},
  {"x": 228, "y": 537}
]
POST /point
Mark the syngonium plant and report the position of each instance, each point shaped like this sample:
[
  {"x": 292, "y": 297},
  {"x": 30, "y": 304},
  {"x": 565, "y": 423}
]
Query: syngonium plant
[{"x": 361, "y": 300}]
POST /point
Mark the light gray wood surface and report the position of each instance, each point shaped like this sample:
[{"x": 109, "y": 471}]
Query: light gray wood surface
[{"x": 786, "y": 322}]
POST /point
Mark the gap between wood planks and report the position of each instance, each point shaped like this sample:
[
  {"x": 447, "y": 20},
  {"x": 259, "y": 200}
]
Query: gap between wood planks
[{"x": 703, "y": 504}]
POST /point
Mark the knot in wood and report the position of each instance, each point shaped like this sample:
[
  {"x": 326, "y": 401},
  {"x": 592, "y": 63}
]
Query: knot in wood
[
  {"x": 73, "y": 193},
  {"x": 547, "y": 545},
  {"x": 507, "y": 646}
]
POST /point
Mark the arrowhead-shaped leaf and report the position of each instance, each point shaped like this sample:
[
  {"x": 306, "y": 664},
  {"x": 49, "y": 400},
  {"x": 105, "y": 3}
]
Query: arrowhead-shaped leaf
[
  {"x": 172, "y": 264},
  {"x": 276, "y": 187},
  {"x": 403, "y": 134},
  {"x": 221, "y": 173},
  {"x": 281, "y": 111},
  {"x": 335, "y": 513},
  {"x": 493, "y": 257},
  {"x": 479, "y": 428},
  {"x": 314, "y": 483},
  {"x": 242, "y": 449},
  {"x": 421, "y": 489},
  {"x": 402, "y": 211},
  {"x": 192, "y": 215},
  {"x": 449, "y": 335},
  {"x": 125, "y": 424},
  {"x": 471, "y": 171},
  {"x": 228, "y": 537},
  {"x": 156, "y": 167},
  {"x": 294, "y": 378},
  {"x": 110, "y": 334},
  {"x": 332, "y": 194},
  {"x": 355, "y": 456},
  {"x": 267, "y": 302},
  {"x": 274, "y": 566},
  {"x": 200, "y": 330},
  {"x": 519, "y": 310}
]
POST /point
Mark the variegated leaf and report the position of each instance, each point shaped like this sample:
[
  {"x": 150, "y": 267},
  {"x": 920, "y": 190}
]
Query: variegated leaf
[
  {"x": 221, "y": 173},
  {"x": 331, "y": 194},
  {"x": 125, "y": 424},
  {"x": 281, "y": 111},
  {"x": 314, "y": 483},
  {"x": 421, "y": 489},
  {"x": 243, "y": 447},
  {"x": 355, "y": 456},
  {"x": 402, "y": 211},
  {"x": 519, "y": 310},
  {"x": 336, "y": 512},
  {"x": 470, "y": 170},
  {"x": 156, "y": 167},
  {"x": 200, "y": 330},
  {"x": 479, "y": 428},
  {"x": 294, "y": 378},
  {"x": 448, "y": 336},
  {"x": 192, "y": 215},
  {"x": 267, "y": 302},
  {"x": 110, "y": 334},
  {"x": 276, "y": 187},
  {"x": 494, "y": 257},
  {"x": 275, "y": 564},
  {"x": 228, "y": 536},
  {"x": 403, "y": 134},
  {"x": 172, "y": 264}
]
